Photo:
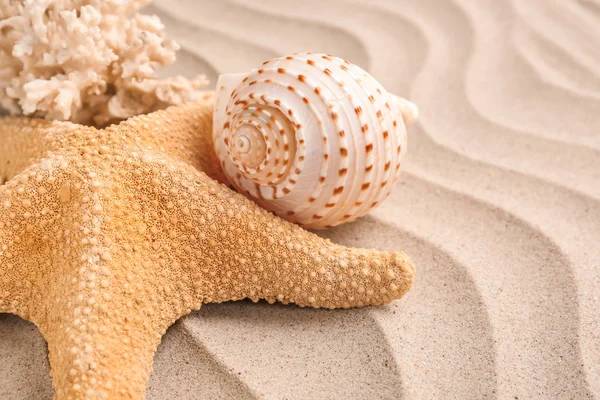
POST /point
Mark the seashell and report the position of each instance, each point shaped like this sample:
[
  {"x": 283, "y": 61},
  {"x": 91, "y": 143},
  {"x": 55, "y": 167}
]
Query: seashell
[{"x": 310, "y": 137}]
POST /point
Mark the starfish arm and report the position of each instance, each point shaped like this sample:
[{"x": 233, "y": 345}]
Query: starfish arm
[
  {"x": 225, "y": 247},
  {"x": 57, "y": 246},
  {"x": 69, "y": 264},
  {"x": 124, "y": 291},
  {"x": 102, "y": 340},
  {"x": 30, "y": 222},
  {"x": 24, "y": 141},
  {"x": 250, "y": 253}
]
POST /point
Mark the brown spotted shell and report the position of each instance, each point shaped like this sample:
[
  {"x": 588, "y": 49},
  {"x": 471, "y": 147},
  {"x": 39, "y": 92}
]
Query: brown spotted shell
[{"x": 310, "y": 137}]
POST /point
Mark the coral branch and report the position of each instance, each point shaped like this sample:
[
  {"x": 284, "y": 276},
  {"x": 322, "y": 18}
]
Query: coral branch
[{"x": 92, "y": 62}]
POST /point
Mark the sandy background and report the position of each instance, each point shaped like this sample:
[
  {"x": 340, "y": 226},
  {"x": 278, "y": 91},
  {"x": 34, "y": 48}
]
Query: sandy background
[{"x": 499, "y": 206}]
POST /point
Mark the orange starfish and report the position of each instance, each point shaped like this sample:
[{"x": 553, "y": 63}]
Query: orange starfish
[{"x": 108, "y": 236}]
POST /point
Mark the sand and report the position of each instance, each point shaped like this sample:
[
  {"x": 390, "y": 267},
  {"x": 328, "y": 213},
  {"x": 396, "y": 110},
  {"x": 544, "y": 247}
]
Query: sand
[{"x": 499, "y": 206}]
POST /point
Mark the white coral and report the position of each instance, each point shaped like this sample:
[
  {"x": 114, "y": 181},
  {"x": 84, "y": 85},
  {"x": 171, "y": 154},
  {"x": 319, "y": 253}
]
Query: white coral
[{"x": 88, "y": 61}]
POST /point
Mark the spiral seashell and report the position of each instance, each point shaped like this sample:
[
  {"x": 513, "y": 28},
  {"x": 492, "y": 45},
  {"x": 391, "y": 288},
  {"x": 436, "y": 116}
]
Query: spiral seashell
[{"x": 310, "y": 137}]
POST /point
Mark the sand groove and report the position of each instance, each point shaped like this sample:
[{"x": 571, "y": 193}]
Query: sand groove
[{"x": 459, "y": 358}]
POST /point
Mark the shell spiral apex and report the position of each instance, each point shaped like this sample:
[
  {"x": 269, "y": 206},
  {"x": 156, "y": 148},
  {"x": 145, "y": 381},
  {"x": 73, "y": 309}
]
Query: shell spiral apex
[{"x": 310, "y": 137}]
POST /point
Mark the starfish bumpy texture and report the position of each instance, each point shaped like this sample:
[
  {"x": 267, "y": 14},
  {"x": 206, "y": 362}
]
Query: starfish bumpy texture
[{"x": 107, "y": 237}]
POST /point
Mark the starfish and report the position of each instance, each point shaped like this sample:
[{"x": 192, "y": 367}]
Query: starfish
[{"x": 108, "y": 236}]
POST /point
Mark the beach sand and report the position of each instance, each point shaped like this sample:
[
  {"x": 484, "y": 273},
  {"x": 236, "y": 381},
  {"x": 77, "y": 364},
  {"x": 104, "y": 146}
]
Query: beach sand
[{"x": 498, "y": 205}]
